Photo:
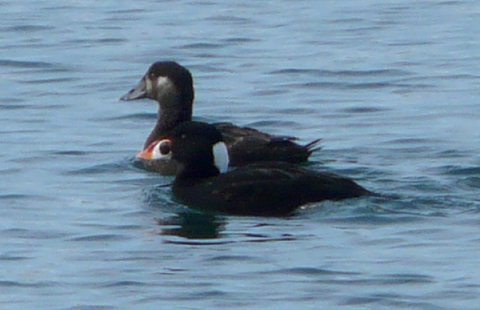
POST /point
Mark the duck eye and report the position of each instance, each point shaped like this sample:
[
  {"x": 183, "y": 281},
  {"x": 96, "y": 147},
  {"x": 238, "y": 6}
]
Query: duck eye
[{"x": 165, "y": 148}]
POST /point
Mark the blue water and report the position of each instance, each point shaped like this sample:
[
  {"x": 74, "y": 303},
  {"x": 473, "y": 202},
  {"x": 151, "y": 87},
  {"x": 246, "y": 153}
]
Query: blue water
[{"x": 392, "y": 88}]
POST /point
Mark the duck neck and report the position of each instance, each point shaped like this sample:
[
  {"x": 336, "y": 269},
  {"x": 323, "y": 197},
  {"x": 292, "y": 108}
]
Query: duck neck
[
  {"x": 195, "y": 172},
  {"x": 169, "y": 116}
]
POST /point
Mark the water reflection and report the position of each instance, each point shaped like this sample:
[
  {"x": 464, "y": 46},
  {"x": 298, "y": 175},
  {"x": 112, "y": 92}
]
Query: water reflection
[
  {"x": 185, "y": 222},
  {"x": 192, "y": 225}
]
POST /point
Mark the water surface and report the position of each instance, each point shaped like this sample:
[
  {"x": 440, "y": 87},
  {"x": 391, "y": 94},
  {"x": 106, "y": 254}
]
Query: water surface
[{"x": 391, "y": 88}]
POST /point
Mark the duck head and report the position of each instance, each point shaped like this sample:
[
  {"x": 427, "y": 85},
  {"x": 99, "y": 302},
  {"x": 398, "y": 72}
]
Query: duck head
[
  {"x": 197, "y": 147},
  {"x": 171, "y": 86},
  {"x": 157, "y": 150},
  {"x": 166, "y": 82}
]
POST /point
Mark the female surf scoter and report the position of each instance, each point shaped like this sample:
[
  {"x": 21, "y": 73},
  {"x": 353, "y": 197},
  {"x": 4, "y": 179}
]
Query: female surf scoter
[
  {"x": 263, "y": 188},
  {"x": 171, "y": 85}
]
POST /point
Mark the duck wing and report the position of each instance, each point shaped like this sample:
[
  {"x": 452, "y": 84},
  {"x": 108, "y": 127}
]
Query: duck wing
[{"x": 247, "y": 145}]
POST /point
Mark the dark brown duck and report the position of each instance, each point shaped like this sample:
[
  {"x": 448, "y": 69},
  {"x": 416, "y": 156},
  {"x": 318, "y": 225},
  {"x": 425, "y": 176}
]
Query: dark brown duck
[{"x": 171, "y": 85}]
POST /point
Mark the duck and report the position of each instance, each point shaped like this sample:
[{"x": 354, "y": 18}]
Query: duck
[
  {"x": 204, "y": 180},
  {"x": 171, "y": 86}
]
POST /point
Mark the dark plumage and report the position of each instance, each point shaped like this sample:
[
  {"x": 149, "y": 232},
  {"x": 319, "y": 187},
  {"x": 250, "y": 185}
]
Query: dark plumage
[
  {"x": 248, "y": 145},
  {"x": 265, "y": 188},
  {"x": 171, "y": 85}
]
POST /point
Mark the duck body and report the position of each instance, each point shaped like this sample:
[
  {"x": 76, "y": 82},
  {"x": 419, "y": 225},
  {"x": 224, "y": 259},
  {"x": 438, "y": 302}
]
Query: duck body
[
  {"x": 171, "y": 86},
  {"x": 247, "y": 145},
  {"x": 265, "y": 188}
]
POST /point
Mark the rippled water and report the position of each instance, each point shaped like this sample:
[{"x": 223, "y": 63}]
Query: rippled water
[{"x": 391, "y": 87}]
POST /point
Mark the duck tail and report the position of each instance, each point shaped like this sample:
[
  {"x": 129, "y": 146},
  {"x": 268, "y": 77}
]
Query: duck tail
[{"x": 313, "y": 146}]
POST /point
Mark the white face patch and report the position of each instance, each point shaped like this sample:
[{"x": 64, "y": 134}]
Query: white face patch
[
  {"x": 148, "y": 85},
  {"x": 166, "y": 90},
  {"x": 162, "y": 150},
  {"x": 164, "y": 84},
  {"x": 220, "y": 156}
]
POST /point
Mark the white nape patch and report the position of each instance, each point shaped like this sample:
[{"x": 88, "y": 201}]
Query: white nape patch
[
  {"x": 157, "y": 151},
  {"x": 220, "y": 156}
]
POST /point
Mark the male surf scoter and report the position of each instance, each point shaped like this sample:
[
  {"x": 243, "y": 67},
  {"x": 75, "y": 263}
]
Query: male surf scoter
[
  {"x": 171, "y": 85},
  {"x": 263, "y": 188}
]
